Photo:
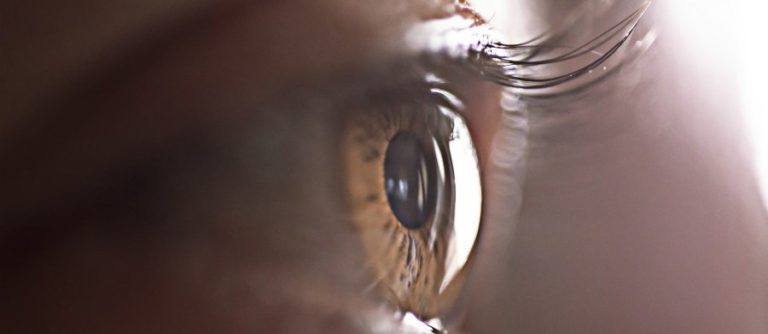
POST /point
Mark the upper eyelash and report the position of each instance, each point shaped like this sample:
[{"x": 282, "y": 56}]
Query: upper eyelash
[{"x": 503, "y": 63}]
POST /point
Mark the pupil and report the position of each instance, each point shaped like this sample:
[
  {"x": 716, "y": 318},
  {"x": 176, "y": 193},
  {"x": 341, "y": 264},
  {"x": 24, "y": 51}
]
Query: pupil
[{"x": 410, "y": 180}]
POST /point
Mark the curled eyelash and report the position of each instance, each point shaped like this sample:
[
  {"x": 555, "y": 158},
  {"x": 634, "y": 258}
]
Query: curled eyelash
[{"x": 523, "y": 65}]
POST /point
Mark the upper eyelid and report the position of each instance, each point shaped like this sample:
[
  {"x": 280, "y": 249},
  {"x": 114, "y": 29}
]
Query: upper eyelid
[
  {"x": 468, "y": 39},
  {"x": 619, "y": 33},
  {"x": 453, "y": 37}
]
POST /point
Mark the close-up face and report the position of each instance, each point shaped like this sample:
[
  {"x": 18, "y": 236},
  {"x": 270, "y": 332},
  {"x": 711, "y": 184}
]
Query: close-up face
[{"x": 339, "y": 166}]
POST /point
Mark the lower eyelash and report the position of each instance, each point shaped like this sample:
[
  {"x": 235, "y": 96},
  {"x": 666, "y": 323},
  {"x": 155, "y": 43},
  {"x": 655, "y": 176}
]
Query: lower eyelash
[{"x": 506, "y": 64}]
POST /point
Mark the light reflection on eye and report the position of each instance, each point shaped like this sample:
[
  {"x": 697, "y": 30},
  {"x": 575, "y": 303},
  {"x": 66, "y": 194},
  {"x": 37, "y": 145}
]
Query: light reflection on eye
[
  {"x": 412, "y": 173},
  {"x": 414, "y": 194}
]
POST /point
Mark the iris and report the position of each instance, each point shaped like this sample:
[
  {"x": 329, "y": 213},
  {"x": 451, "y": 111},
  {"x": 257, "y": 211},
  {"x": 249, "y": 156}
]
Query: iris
[{"x": 410, "y": 180}]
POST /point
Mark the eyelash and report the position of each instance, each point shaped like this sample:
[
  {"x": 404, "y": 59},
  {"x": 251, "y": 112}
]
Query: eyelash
[{"x": 505, "y": 64}]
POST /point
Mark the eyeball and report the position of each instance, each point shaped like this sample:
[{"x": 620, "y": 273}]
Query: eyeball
[{"x": 414, "y": 196}]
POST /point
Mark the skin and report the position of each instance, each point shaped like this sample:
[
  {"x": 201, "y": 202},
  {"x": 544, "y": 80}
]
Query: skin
[
  {"x": 171, "y": 171},
  {"x": 178, "y": 185},
  {"x": 641, "y": 212}
]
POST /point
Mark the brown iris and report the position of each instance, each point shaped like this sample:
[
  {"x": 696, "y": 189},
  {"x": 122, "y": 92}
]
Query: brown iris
[
  {"x": 410, "y": 179},
  {"x": 400, "y": 184}
]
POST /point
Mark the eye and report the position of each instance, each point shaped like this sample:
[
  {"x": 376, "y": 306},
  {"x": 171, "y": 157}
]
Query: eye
[
  {"x": 410, "y": 178},
  {"x": 414, "y": 195}
]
